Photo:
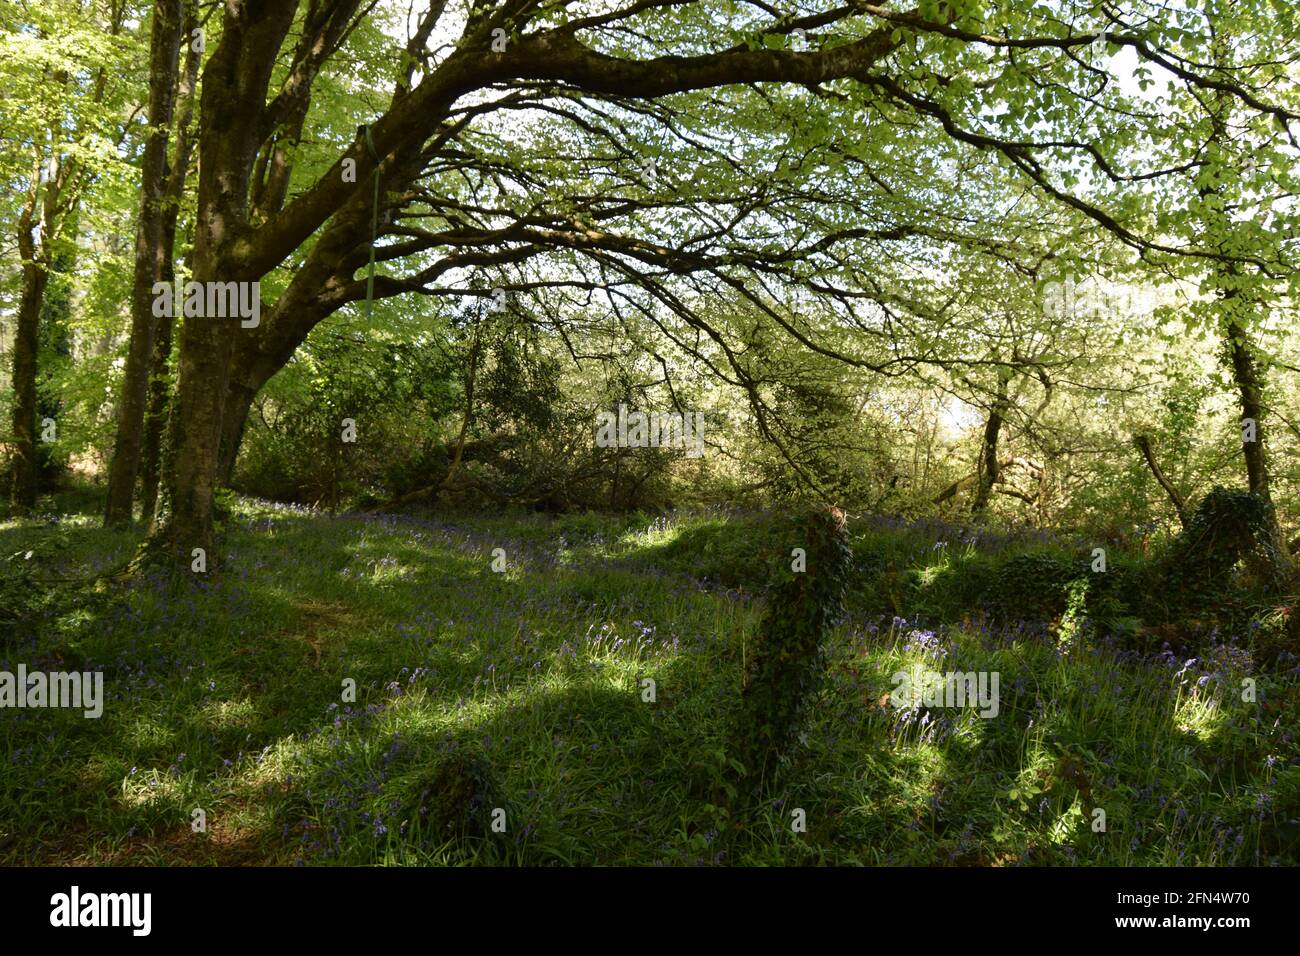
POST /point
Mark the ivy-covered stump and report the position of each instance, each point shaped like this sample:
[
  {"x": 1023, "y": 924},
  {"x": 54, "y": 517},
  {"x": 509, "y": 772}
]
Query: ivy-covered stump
[
  {"x": 787, "y": 663},
  {"x": 1228, "y": 529}
]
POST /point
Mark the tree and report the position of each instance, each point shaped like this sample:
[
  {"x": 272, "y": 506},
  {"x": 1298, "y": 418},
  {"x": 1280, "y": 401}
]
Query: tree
[
  {"x": 164, "y": 61},
  {"x": 963, "y": 79},
  {"x": 60, "y": 50},
  {"x": 1241, "y": 180}
]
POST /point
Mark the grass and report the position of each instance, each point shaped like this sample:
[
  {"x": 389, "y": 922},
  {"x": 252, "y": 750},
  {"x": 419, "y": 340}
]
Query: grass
[{"x": 225, "y": 693}]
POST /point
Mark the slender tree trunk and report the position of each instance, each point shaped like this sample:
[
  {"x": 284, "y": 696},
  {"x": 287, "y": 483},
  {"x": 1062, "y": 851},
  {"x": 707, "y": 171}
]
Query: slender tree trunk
[
  {"x": 155, "y": 419},
  {"x": 1238, "y": 305},
  {"x": 1042, "y": 495},
  {"x": 334, "y": 479},
  {"x": 160, "y": 378},
  {"x": 1175, "y": 496},
  {"x": 613, "y": 481},
  {"x": 989, "y": 469},
  {"x": 54, "y": 346},
  {"x": 470, "y": 381},
  {"x": 26, "y": 340},
  {"x": 26, "y": 343},
  {"x": 1250, "y": 390},
  {"x": 149, "y": 263}
]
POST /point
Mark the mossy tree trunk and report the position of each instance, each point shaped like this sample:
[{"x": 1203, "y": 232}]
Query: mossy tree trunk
[{"x": 133, "y": 398}]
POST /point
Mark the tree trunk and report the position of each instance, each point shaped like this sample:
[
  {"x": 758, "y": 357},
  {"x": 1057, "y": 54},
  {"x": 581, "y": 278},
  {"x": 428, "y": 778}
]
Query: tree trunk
[
  {"x": 1246, "y": 377},
  {"x": 155, "y": 419},
  {"x": 1237, "y": 307},
  {"x": 235, "y": 80},
  {"x": 193, "y": 432},
  {"x": 26, "y": 338},
  {"x": 54, "y": 347},
  {"x": 125, "y": 465},
  {"x": 1250, "y": 388},
  {"x": 1175, "y": 496},
  {"x": 989, "y": 469},
  {"x": 234, "y": 418},
  {"x": 160, "y": 379},
  {"x": 470, "y": 380},
  {"x": 334, "y": 479}
]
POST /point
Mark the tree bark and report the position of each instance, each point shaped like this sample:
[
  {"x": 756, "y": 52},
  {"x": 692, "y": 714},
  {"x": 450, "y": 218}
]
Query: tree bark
[
  {"x": 26, "y": 338},
  {"x": 149, "y": 263},
  {"x": 155, "y": 418},
  {"x": 989, "y": 470},
  {"x": 1175, "y": 496},
  {"x": 1249, "y": 392},
  {"x": 234, "y": 418},
  {"x": 160, "y": 379},
  {"x": 1250, "y": 389},
  {"x": 235, "y": 80},
  {"x": 37, "y": 215}
]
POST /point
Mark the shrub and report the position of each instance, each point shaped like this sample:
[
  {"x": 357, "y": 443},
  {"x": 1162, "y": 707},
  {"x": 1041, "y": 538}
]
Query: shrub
[
  {"x": 1227, "y": 529},
  {"x": 1032, "y": 586}
]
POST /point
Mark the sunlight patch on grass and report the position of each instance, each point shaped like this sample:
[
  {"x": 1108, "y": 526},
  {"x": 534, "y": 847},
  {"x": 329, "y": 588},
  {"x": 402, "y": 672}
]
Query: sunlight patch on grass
[
  {"x": 146, "y": 788},
  {"x": 660, "y": 533},
  {"x": 1198, "y": 716},
  {"x": 229, "y": 714},
  {"x": 147, "y": 732}
]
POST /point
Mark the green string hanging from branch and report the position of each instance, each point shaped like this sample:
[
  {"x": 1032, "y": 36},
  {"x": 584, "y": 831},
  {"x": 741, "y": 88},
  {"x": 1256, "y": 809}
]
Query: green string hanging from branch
[{"x": 374, "y": 225}]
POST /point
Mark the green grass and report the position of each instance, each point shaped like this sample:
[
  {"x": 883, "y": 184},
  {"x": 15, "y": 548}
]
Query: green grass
[{"x": 224, "y": 693}]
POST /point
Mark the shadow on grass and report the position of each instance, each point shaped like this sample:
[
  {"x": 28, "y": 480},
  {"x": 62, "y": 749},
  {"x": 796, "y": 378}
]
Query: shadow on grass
[{"x": 226, "y": 694}]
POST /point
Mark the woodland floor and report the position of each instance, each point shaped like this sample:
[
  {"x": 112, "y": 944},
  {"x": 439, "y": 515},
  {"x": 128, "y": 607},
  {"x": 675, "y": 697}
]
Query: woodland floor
[{"x": 224, "y": 693}]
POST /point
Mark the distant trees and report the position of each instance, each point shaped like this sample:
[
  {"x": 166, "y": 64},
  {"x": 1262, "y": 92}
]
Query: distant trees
[{"x": 59, "y": 75}]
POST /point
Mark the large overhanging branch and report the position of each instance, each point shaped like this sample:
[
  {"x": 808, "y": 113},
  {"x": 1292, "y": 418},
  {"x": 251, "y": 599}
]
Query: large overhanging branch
[
  {"x": 554, "y": 62},
  {"x": 551, "y": 55}
]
